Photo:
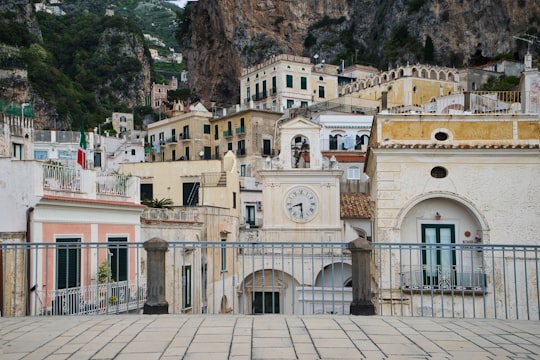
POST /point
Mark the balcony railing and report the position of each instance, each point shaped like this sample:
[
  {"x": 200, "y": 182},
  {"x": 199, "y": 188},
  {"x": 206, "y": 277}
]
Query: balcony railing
[
  {"x": 227, "y": 133},
  {"x": 240, "y": 130},
  {"x": 61, "y": 178},
  {"x": 112, "y": 184},
  {"x": 98, "y": 299},
  {"x": 482, "y": 281},
  {"x": 473, "y": 102}
]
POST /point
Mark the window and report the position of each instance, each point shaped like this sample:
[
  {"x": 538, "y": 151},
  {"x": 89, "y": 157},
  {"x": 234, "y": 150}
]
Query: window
[
  {"x": 17, "y": 151},
  {"x": 118, "y": 260},
  {"x": 321, "y": 92},
  {"x": 264, "y": 88},
  {"x": 243, "y": 169},
  {"x": 186, "y": 132},
  {"x": 132, "y": 152},
  {"x": 250, "y": 215},
  {"x": 274, "y": 85},
  {"x": 40, "y": 154},
  {"x": 438, "y": 263},
  {"x": 186, "y": 286},
  {"x": 147, "y": 192},
  {"x": 290, "y": 103},
  {"x": 216, "y": 132},
  {"x": 241, "y": 147},
  {"x": 216, "y": 151},
  {"x": 267, "y": 147},
  {"x": 303, "y": 83},
  {"x": 439, "y": 172},
  {"x": 173, "y": 135},
  {"x": 304, "y": 104},
  {"x": 173, "y": 155},
  {"x": 234, "y": 200},
  {"x": 190, "y": 192},
  {"x": 187, "y": 153},
  {"x": 353, "y": 172},
  {"x": 97, "y": 159},
  {"x": 207, "y": 153},
  {"x": 266, "y": 302},
  {"x": 257, "y": 94},
  {"x": 248, "y": 95},
  {"x": 223, "y": 255},
  {"x": 289, "y": 81},
  {"x": 68, "y": 263},
  {"x": 206, "y": 129},
  {"x": 229, "y": 146},
  {"x": 334, "y": 139}
]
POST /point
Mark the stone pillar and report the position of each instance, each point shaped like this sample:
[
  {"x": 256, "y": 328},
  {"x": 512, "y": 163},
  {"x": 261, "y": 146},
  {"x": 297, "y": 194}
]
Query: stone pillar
[
  {"x": 361, "y": 278},
  {"x": 155, "y": 278}
]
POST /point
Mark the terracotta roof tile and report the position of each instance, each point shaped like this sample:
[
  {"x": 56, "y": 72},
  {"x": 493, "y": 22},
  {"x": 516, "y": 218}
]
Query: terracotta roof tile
[{"x": 356, "y": 205}]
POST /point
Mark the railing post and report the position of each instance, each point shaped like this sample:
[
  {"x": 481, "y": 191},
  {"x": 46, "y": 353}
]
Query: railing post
[
  {"x": 155, "y": 278},
  {"x": 361, "y": 278}
]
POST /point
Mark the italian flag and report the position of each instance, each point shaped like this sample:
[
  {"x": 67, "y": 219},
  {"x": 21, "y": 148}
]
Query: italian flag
[{"x": 81, "y": 153}]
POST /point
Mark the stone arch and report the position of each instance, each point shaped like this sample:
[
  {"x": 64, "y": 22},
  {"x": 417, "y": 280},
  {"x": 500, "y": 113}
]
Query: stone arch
[
  {"x": 466, "y": 203},
  {"x": 414, "y": 72},
  {"x": 451, "y": 77},
  {"x": 424, "y": 73},
  {"x": 401, "y": 73},
  {"x": 300, "y": 151},
  {"x": 433, "y": 75},
  {"x": 269, "y": 282},
  {"x": 442, "y": 75},
  {"x": 335, "y": 275}
]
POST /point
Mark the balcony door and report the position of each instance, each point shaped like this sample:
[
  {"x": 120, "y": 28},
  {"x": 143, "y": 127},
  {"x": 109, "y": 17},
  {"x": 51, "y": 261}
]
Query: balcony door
[{"x": 438, "y": 262}]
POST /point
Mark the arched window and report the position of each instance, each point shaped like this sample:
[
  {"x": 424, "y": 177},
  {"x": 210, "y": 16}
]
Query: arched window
[{"x": 300, "y": 153}]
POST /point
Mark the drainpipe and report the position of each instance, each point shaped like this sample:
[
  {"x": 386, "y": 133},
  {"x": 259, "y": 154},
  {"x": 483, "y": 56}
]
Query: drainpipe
[{"x": 29, "y": 212}]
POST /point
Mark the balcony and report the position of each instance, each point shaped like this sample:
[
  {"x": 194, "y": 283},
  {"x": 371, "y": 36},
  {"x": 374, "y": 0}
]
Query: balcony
[
  {"x": 227, "y": 133},
  {"x": 445, "y": 278},
  {"x": 259, "y": 96},
  {"x": 184, "y": 137},
  {"x": 267, "y": 152},
  {"x": 240, "y": 130},
  {"x": 241, "y": 152},
  {"x": 171, "y": 140},
  {"x": 88, "y": 184}
]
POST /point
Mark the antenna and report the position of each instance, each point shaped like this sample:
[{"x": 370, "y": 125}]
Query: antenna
[{"x": 530, "y": 40}]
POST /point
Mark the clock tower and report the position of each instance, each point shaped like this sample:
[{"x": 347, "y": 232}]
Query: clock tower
[{"x": 300, "y": 188}]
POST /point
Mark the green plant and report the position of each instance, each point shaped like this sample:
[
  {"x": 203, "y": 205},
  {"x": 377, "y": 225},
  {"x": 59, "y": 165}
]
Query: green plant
[
  {"x": 113, "y": 300},
  {"x": 104, "y": 273},
  {"x": 164, "y": 203}
]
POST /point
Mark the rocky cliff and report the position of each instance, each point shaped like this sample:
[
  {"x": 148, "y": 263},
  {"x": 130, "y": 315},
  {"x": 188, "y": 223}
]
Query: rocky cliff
[{"x": 230, "y": 34}]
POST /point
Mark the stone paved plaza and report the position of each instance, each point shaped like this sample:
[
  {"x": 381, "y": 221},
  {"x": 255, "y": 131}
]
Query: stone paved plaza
[{"x": 209, "y": 337}]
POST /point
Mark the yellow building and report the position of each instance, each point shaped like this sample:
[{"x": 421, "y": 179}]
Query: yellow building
[
  {"x": 407, "y": 86},
  {"x": 249, "y": 134},
  {"x": 182, "y": 137},
  {"x": 286, "y": 81}
]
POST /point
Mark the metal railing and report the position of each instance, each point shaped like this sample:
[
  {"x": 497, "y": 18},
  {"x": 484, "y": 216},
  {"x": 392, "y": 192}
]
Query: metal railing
[
  {"x": 457, "y": 280},
  {"x": 112, "y": 184},
  {"x": 432, "y": 280},
  {"x": 59, "y": 177},
  {"x": 472, "y": 102}
]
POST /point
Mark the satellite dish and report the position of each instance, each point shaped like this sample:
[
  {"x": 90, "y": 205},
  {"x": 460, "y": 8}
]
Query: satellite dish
[{"x": 201, "y": 154}]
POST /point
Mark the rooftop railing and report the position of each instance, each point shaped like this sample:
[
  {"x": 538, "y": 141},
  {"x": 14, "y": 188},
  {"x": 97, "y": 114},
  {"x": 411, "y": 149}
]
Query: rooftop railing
[{"x": 418, "y": 279}]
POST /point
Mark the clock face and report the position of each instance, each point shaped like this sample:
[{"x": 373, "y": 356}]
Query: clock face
[{"x": 301, "y": 204}]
